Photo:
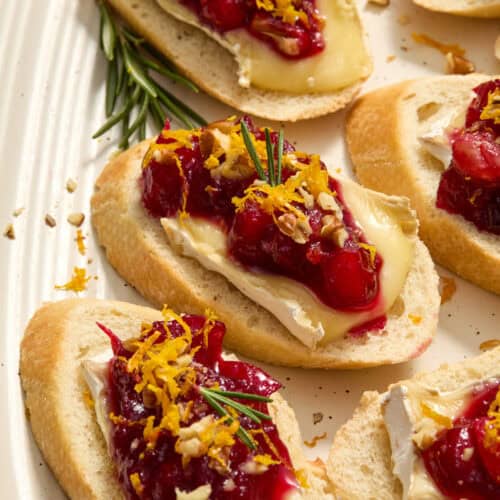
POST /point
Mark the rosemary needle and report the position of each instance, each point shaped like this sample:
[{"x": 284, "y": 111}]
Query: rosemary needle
[{"x": 131, "y": 86}]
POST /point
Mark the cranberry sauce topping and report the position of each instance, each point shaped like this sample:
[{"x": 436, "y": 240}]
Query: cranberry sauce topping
[
  {"x": 464, "y": 461},
  {"x": 166, "y": 434},
  {"x": 471, "y": 185},
  {"x": 300, "y": 228},
  {"x": 291, "y": 27}
]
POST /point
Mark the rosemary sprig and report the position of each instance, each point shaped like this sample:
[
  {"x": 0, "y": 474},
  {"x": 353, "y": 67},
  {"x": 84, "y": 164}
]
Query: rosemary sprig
[
  {"x": 274, "y": 168},
  {"x": 130, "y": 85},
  {"x": 216, "y": 398},
  {"x": 241, "y": 432}
]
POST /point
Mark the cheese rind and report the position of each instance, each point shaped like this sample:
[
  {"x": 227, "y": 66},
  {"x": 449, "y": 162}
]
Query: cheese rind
[{"x": 343, "y": 62}]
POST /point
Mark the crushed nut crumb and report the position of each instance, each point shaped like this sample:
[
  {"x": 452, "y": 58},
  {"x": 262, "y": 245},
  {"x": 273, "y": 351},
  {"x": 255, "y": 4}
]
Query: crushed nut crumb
[
  {"x": 9, "y": 232},
  {"x": 71, "y": 185},
  {"x": 317, "y": 417},
  {"x": 18, "y": 211},
  {"x": 76, "y": 219},
  {"x": 50, "y": 221}
]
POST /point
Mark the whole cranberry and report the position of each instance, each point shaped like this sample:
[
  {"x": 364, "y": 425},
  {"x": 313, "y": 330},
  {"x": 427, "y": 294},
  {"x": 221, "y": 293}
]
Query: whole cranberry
[
  {"x": 225, "y": 15},
  {"x": 349, "y": 279}
]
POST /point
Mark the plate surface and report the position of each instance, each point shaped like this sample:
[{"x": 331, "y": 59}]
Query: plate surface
[{"x": 52, "y": 100}]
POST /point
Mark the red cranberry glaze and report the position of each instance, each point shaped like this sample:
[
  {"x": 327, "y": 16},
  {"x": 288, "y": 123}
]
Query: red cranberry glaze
[
  {"x": 160, "y": 468},
  {"x": 345, "y": 278},
  {"x": 471, "y": 185},
  {"x": 468, "y": 476},
  {"x": 298, "y": 39}
]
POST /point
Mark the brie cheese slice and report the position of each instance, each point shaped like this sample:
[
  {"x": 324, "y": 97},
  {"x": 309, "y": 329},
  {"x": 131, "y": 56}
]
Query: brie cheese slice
[
  {"x": 343, "y": 62},
  {"x": 388, "y": 224}
]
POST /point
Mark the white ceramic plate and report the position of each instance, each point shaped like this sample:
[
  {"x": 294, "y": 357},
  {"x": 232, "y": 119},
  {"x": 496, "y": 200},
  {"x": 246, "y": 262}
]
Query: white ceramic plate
[{"x": 52, "y": 100}]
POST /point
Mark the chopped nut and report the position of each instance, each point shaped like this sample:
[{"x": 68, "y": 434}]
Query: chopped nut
[
  {"x": 334, "y": 229},
  {"x": 252, "y": 467},
  {"x": 298, "y": 230},
  {"x": 467, "y": 454},
  {"x": 71, "y": 185},
  {"x": 18, "y": 211},
  {"x": 317, "y": 417},
  {"x": 308, "y": 197},
  {"x": 327, "y": 202},
  {"x": 447, "y": 288},
  {"x": 383, "y": 3},
  {"x": 497, "y": 48},
  {"x": 458, "y": 65},
  {"x": 76, "y": 219},
  {"x": 489, "y": 344},
  {"x": 50, "y": 221},
  {"x": 9, "y": 232}
]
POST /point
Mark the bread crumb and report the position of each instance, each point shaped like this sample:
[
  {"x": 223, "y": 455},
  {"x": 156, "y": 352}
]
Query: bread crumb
[
  {"x": 458, "y": 65},
  {"x": 9, "y": 232},
  {"x": 18, "y": 211},
  {"x": 404, "y": 20},
  {"x": 415, "y": 319},
  {"x": 383, "y": 3},
  {"x": 497, "y": 48},
  {"x": 76, "y": 219},
  {"x": 50, "y": 221},
  {"x": 390, "y": 58},
  {"x": 317, "y": 417},
  {"x": 71, "y": 185},
  {"x": 447, "y": 288},
  {"x": 314, "y": 440},
  {"x": 444, "y": 48},
  {"x": 487, "y": 345}
]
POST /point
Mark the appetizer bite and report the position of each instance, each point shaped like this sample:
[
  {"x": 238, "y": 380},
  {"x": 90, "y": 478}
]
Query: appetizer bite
[
  {"x": 472, "y": 8},
  {"x": 305, "y": 268},
  {"x": 436, "y": 436},
  {"x": 126, "y": 402},
  {"x": 436, "y": 140},
  {"x": 279, "y": 59}
]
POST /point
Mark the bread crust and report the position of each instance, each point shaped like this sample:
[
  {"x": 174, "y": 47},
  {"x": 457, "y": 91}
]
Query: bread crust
[
  {"x": 214, "y": 70},
  {"x": 385, "y": 158},
  {"x": 474, "y": 8},
  {"x": 137, "y": 247},
  {"x": 58, "y": 337},
  {"x": 361, "y": 447}
]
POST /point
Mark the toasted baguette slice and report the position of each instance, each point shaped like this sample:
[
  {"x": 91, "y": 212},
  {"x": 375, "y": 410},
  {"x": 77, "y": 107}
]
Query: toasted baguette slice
[
  {"x": 470, "y": 8},
  {"x": 57, "y": 339},
  {"x": 387, "y": 156},
  {"x": 137, "y": 247},
  {"x": 361, "y": 448},
  {"x": 214, "y": 69}
]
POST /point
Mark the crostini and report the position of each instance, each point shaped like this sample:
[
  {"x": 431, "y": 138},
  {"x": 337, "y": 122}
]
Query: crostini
[
  {"x": 128, "y": 402},
  {"x": 306, "y": 269},
  {"x": 279, "y": 60},
  {"x": 469, "y": 8},
  {"x": 436, "y": 141},
  {"x": 435, "y": 436}
]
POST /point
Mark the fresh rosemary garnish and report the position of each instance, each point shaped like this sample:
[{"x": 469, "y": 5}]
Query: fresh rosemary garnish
[
  {"x": 273, "y": 176},
  {"x": 130, "y": 60},
  {"x": 216, "y": 398}
]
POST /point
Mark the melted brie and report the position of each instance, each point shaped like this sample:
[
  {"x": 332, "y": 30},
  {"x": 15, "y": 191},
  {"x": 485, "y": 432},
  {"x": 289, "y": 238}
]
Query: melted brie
[
  {"x": 343, "y": 62},
  {"x": 410, "y": 429},
  {"x": 386, "y": 222}
]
